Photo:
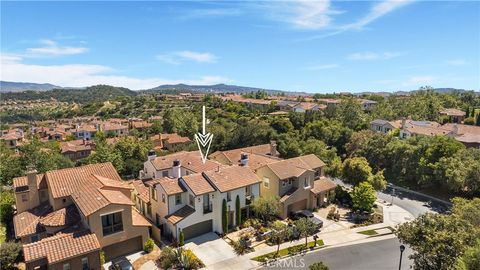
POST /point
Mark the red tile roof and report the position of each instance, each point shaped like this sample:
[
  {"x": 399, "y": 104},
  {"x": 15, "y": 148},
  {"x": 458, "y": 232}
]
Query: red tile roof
[
  {"x": 198, "y": 184},
  {"x": 61, "y": 246},
  {"x": 27, "y": 223},
  {"x": 230, "y": 178},
  {"x": 63, "y": 217},
  {"x": 138, "y": 219},
  {"x": 323, "y": 184},
  {"x": 142, "y": 190},
  {"x": 180, "y": 214}
]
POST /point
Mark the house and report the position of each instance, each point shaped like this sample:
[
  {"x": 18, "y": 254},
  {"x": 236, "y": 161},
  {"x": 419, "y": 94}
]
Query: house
[
  {"x": 298, "y": 182},
  {"x": 308, "y": 106},
  {"x": 12, "y": 138},
  {"x": 367, "y": 104},
  {"x": 454, "y": 115},
  {"x": 384, "y": 126},
  {"x": 64, "y": 217},
  {"x": 114, "y": 129},
  {"x": 76, "y": 149},
  {"x": 140, "y": 125},
  {"x": 425, "y": 128},
  {"x": 170, "y": 142},
  {"x": 187, "y": 194},
  {"x": 466, "y": 134},
  {"x": 84, "y": 131}
]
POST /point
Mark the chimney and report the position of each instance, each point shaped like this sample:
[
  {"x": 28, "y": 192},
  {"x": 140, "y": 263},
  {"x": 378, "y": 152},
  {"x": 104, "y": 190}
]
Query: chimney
[
  {"x": 403, "y": 123},
  {"x": 176, "y": 169},
  {"x": 455, "y": 129},
  {"x": 244, "y": 159},
  {"x": 273, "y": 148},
  {"x": 151, "y": 155},
  {"x": 32, "y": 177}
]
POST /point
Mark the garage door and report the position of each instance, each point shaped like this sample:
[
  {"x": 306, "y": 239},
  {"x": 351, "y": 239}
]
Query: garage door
[
  {"x": 198, "y": 229},
  {"x": 123, "y": 248},
  {"x": 300, "y": 205}
]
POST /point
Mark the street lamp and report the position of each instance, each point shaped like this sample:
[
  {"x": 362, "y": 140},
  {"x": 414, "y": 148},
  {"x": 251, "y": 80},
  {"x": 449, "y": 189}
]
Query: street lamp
[{"x": 402, "y": 248}]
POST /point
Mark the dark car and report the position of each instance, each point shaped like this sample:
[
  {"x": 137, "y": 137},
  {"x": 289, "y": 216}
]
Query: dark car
[
  {"x": 121, "y": 264},
  {"x": 307, "y": 214}
]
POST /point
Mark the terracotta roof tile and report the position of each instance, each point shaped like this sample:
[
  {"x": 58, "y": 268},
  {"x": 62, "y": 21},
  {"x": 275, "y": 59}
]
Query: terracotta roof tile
[
  {"x": 198, "y": 184},
  {"x": 322, "y": 184},
  {"x": 27, "y": 222},
  {"x": 61, "y": 246},
  {"x": 138, "y": 219},
  {"x": 233, "y": 177},
  {"x": 180, "y": 214},
  {"x": 76, "y": 145},
  {"x": 191, "y": 161},
  {"x": 170, "y": 185},
  {"x": 21, "y": 183},
  {"x": 63, "y": 217},
  {"x": 142, "y": 190}
]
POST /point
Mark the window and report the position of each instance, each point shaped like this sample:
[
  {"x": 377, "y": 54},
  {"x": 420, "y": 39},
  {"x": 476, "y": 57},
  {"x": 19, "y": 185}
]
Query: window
[
  {"x": 154, "y": 193},
  {"x": 149, "y": 210},
  {"x": 64, "y": 201},
  {"x": 85, "y": 263},
  {"x": 229, "y": 196},
  {"x": 306, "y": 183},
  {"x": 66, "y": 266},
  {"x": 317, "y": 173},
  {"x": 248, "y": 190},
  {"x": 178, "y": 199},
  {"x": 191, "y": 200},
  {"x": 34, "y": 238},
  {"x": 266, "y": 182},
  {"x": 157, "y": 220},
  {"x": 24, "y": 198},
  {"x": 164, "y": 173},
  {"x": 290, "y": 181},
  {"x": 284, "y": 183},
  {"x": 163, "y": 198},
  {"x": 112, "y": 223}
]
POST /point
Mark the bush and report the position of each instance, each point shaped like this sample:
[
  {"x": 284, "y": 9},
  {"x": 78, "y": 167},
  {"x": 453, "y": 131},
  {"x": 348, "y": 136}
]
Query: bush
[
  {"x": 102, "y": 257},
  {"x": 318, "y": 266},
  {"x": 179, "y": 258},
  {"x": 148, "y": 245},
  {"x": 9, "y": 253},
  {"x": 241, "y": 246},
  {"x": 168, "y": 258}
]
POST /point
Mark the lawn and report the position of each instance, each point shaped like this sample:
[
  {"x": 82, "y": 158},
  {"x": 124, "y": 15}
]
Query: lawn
[
  {"x": 373, "y": 232},
  {"x": 287, "y": 251}
]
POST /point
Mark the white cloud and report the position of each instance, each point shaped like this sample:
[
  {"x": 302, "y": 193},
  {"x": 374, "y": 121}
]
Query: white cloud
[
  {"x": 79, "y": 75},
  {"x": 302, "y": 14},
  {"x": 176, "y": 58},
  {"x": 457, "y": 62},
  {"x": 51, "y": 48},
  {"x": 373, "y": 55},
  {"x": 418, "y": 81},
  {"x": 207, "y": 13},
  {"x": 320, "y": 67},
  {"x": 378, "y": 10}
]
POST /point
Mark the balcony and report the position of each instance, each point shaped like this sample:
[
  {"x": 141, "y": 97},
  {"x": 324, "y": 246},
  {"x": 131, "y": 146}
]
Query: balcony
[{"x": 207, "y": 208}]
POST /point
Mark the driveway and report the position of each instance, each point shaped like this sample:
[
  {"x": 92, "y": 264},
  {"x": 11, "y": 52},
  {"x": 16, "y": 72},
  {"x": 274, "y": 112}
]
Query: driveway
[{"x": 210, "y": 248}]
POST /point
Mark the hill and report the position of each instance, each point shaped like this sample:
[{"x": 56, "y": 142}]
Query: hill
[
  {"x": 216, "y": 88},
  {"x": 82, "y": 95},
  {"x": 24, "y": 86}
]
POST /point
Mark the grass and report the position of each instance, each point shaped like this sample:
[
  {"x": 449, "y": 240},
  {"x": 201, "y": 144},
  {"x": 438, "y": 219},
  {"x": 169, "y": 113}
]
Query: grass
[
  {"x": 373, "y": 232},
  {"x": 287, "y": 251}
]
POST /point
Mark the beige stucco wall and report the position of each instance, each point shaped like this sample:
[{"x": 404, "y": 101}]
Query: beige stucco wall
[
  {"x": 129, "y": 231},
  {"x": 273, "y": 189}
]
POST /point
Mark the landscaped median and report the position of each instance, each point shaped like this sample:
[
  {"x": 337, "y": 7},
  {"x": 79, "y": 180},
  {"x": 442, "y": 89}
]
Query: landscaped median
[
  {"x": 379, "y": 231},
  {"x": 285, "y": 252}
]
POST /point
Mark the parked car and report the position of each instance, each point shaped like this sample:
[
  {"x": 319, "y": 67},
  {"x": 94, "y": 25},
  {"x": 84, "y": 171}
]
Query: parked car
[
  {"x": 121, "y": 264},
  {"x": 307, "y": 214}
]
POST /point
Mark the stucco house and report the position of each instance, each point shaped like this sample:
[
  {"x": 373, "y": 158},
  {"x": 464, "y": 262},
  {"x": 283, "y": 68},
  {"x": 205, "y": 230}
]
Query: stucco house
[
  {"x": 64, "y": 217},
  {"x": 384, "y": 126}
]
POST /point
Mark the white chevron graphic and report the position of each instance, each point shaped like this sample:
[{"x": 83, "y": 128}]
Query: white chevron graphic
[{"x": 204, "y": 140}]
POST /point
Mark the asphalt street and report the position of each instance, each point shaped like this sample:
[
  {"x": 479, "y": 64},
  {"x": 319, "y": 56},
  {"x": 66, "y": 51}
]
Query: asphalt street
[{"x": 377, "y": 255}]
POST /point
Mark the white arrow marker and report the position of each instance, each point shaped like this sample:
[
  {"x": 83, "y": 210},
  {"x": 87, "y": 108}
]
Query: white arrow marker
[{"x": 204, "y": 140}]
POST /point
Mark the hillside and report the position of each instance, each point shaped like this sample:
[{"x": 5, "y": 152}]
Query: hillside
[
  {"x": 24, "y": 86},
  {"x": 84, "y": 95},
  {"x": 216, "y": 88}
]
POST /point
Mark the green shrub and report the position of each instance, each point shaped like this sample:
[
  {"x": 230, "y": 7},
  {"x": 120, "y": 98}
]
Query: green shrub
[
  {"x": 318, "y": 266},
  {"x": 9, "y": 253},
  {"x": 167, "y": 258},
  {"x": 148, "y": 245},
  {"x": 181, "y": 240}
]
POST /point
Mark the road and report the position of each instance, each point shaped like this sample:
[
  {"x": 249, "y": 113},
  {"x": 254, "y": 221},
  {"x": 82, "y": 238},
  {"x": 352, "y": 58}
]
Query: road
[
  {"x": 377, "y": 255},
  {"x": 416, "y": 204}
]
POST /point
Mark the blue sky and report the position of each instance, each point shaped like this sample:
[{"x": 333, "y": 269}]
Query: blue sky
[{"x": 313, "y": 46}]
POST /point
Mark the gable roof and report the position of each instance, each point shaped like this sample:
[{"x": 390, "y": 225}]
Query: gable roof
[
  {"x": 322, "y": 184},
  {"x": 75, "y": 146},
  {"x": 191, "y": 161},
  {"x": 232, "y": 177},
  {"x": 197, "y": 184},
  {"x": 27, "y": 223},
  {"x": 180, "y": 214},
  {"x": 170, "y": 185},
  {"x": 295, "y": 167},
  {"x": 62, "y": 246},
  {"x": 142, "y": 190},
  {"x": 62, "y": 217}
]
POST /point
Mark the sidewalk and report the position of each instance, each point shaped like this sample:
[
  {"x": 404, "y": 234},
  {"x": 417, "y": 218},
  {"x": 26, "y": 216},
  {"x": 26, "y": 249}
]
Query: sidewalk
[{"x": 393, "y": 215}]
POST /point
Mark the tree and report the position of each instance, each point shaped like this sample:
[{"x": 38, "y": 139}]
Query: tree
[
  {"x": 378, "y": 181},
  {"x": 224, "y": 217},
  {"x": 440, "y": 241},
  {"x": 356, "y": 170},
  {"x": 281, "y": 125},
  {"x": 238, "y": 212},
  {"x": 181, "y": 240},
  {"x": 305, "y": 227},
  {"x": 363, "y": 197},
  {"x": 181, "y": 121},
  {"x": 470, "y": 260},
  {"x": 10, "y": 165},
  {"x": 265, "y": 207},
  {"x": 318, "y": 266},
  {"x": 278, "y": 234},
  {"x": 7, "y": 201},
  {"x": 9, "y": 252}
]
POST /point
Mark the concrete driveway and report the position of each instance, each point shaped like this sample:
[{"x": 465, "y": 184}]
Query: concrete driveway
[{"x": 210, "y": 248}]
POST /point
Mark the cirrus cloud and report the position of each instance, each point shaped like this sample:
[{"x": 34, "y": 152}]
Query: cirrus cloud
[{"x": 176, "y": 58}]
